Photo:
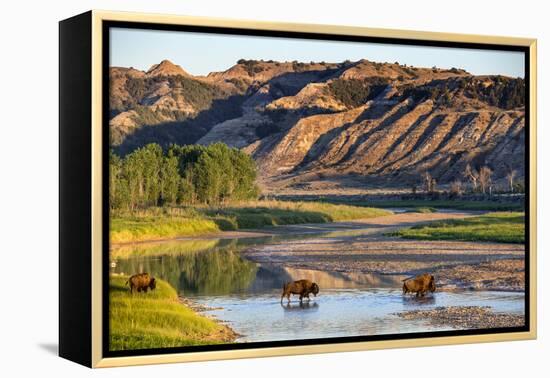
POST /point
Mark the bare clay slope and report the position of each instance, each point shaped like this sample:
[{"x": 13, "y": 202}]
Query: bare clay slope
[{"x": 392, "y": 143}]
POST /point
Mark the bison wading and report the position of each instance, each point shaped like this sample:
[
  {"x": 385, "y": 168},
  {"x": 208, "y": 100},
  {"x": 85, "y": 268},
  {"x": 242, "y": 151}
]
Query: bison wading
[
  {"x": 141, "y": 282},
  {"x": 419, "y": 285},
  {"x": 301, "y": 287}
]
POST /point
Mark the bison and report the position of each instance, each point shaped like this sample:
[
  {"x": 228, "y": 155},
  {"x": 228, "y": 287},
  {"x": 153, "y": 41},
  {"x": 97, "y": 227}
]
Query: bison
[
  {"x": 419, "y": 284},
  {"x": 300, "y": 287},
  {"x": 141, "y": 282}
]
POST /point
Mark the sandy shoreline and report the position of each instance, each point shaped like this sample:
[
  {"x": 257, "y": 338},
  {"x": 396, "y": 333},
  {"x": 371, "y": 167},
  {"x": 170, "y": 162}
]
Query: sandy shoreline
[
  {"x": 456, "y": 265},
  {"x": 365, "y": 248}
]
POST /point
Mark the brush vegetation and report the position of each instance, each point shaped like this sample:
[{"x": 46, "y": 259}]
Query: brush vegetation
[
  {"x": 422, "y": 209},
  {"x": 156, "y": 319},
  {"x": 164, "y": 223},
  {"x": 505, "y": 227}
]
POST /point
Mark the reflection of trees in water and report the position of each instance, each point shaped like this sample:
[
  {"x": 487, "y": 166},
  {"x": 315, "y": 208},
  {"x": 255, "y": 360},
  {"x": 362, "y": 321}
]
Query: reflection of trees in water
[
  {"x": 212, "y": 272},
  {"x": 217, "y": 272},
  {"x": 163, "y": 248}
]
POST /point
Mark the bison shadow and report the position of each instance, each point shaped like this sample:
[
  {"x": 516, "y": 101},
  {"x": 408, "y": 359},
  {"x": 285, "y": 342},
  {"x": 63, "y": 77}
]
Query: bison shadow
[
  {"x": 414, "y": 300},
  {"x": 300, "y": 306}
]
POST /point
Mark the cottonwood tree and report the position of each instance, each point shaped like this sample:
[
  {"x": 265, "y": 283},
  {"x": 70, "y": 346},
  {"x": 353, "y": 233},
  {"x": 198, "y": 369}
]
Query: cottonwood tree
[
  {"x": 169, "y": 180},
  {"x": 472, "y": 175},
  {"x": 150, "y": 177},
  {"x": 485, "y": 178},
  {"x": 511, "y": 176},
  {"x": 428, "y": 181}
]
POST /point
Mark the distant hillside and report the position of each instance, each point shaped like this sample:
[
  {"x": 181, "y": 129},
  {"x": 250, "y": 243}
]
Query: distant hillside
[{"x": 346, "y": 124}]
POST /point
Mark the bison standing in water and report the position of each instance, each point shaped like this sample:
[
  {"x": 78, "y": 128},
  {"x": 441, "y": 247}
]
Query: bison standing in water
[
  {"x": 301, "y": 287},
  {"x": 419, "y": 284},
  {"x": 141, "y": 282}
]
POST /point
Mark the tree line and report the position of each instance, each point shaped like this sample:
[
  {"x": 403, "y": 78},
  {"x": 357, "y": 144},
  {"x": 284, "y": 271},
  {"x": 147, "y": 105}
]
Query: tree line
[
  {"x": 505, "y": 93},
  {"x": 481, "y": 181},
  {"x": 190, "y": 174}
]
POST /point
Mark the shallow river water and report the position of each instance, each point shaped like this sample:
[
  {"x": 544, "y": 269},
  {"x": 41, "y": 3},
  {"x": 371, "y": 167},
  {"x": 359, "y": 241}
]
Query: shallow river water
[{"x": 342, "y": 312}]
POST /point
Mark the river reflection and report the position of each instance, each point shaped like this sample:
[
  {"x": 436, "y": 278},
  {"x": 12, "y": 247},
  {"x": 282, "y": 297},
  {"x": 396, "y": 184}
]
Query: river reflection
[
  {"x": 216, "y": 267},
  {"x": 210, "y": 267},
  {"x": 306, "y": 305}
]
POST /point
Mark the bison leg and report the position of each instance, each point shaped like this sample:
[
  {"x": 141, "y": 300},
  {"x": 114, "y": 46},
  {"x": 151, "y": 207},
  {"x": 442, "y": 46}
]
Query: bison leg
[{"x": 301, "y": 297}]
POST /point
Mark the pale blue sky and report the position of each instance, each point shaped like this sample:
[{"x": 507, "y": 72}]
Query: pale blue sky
[{"x": 200, "y": 53}]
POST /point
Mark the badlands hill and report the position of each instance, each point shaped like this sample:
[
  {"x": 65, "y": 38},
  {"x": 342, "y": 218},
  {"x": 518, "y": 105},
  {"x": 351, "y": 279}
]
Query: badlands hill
[{"x": 349, "y": 124}]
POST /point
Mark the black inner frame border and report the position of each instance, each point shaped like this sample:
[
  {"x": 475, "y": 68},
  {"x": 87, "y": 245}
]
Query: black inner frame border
[{"x": 106, "y": 25}]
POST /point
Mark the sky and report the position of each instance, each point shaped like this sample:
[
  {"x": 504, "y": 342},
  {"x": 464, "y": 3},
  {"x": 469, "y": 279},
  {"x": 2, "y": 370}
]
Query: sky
[{"x": 201, "y": 53}]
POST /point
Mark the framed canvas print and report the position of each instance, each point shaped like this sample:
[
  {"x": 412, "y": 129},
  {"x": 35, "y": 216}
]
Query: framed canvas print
[{"x": 235, "y": 189}]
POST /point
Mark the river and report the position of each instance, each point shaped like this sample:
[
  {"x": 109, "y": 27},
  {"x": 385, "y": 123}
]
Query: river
[{"x": 244, "y": 292}]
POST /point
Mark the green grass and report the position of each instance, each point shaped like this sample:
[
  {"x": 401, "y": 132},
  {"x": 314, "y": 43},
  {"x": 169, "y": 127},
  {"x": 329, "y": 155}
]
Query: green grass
[
  {"x": 161, "y": 223},
  {"x": 258, "y": 214},
  {"x": 443, "y": 204},
  {"x": 132, "y": 229},
  {"x": 505, "y": 227},
  {"x": 155, "y": 319}
]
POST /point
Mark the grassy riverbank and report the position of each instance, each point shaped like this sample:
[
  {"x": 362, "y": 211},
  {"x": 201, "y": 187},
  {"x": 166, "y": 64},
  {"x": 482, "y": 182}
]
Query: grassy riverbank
[
  {"x": 165, "y": 223},
  {"x": 134, "y": 228},
  {"x": 157, "y": 319},
  {"x": 505, "y": 227}
]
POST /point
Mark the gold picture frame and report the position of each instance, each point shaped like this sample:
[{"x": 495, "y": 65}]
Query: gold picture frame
[{"x": 91, "y": 24}]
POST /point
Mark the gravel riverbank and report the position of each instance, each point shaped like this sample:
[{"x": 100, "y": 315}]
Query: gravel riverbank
[{"x": 465, "y": 317}]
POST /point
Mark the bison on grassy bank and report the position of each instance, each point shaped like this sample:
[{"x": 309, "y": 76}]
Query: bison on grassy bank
[
  {"x": 419, "y": 284},
  {"x": 141, "y": 282},
  {"x": 301, "y": 287}
]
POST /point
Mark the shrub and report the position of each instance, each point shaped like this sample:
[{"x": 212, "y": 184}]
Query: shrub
[
  {"x": 456, "y": 188},
  {"x": 355, "y": 92}
]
